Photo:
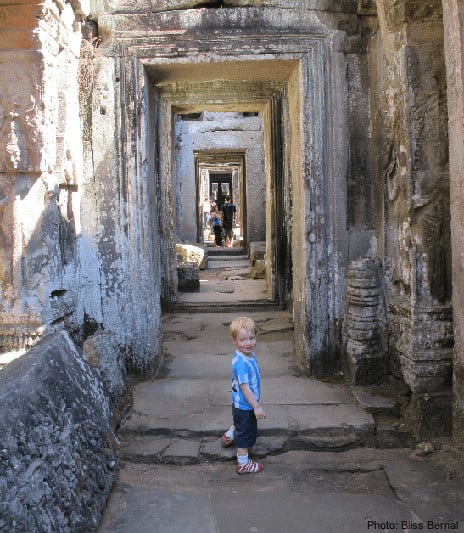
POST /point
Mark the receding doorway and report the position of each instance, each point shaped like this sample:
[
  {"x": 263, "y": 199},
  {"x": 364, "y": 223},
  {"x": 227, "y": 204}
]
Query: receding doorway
[
  {"x": 219, "y": 174},
  {"x": 220, "y": 186}
]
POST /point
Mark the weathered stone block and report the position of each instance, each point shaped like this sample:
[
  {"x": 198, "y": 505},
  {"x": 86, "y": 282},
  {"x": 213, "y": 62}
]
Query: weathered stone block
[
  {"x": 56, "y": 444},
  {"x": 102, "y": 350},
  {"x": 258, "y": 270},
  {"x": 257, "y": 251},
  {"x": 193, "y": 253},
  {"x": 188, "y": 276}
]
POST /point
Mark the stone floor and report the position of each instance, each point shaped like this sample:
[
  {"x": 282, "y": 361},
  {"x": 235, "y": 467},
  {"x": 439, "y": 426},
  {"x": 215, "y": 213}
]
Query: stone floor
[
  {"x": 335, "y": 459},
  {"x": 227, "y": 281}
]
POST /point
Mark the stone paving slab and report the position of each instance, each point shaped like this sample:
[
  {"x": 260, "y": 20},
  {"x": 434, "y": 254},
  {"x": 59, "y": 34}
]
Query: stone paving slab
[
  {"x": 302, "y": 391},
  {"x": 182, "y": 452},
  {"x": 357, "y": 491},
  {"x": 285, "y": 390},
  {"x": 145, "y": 449},
  {"x": 214, "y": 358},
  {"x": 204, "y": 366},
  {"x": 331, "y": 418},
  {"x": 214, "y": 291}
]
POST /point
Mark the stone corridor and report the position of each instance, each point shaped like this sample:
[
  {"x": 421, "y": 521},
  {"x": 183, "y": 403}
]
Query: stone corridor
[{"x": 334, "y": 458}]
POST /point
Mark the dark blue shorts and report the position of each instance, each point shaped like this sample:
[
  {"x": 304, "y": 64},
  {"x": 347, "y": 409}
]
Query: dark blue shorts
[{"x": 246, "y": 428}]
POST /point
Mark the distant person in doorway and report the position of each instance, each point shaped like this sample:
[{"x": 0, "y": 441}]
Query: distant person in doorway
[
  {"x": 229, "y": 213},
  {"x": 217, "y": 228},
  {"x": 206, "y": 212},
  {"x": 246, "y": 387}
]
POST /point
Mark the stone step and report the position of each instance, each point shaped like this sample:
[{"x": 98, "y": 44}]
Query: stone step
[
  {"x": 150, "y": 449},
  {"x": 252, "y": 306},
  {"x": 185, "y": 449},
  {"x": 377, "y": 403},
  {"x": 212, "y": 251},
  {"x": 392, "y": 433}
]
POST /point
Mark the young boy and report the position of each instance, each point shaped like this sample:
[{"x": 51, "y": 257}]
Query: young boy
[{"x": 246, "y": 386}]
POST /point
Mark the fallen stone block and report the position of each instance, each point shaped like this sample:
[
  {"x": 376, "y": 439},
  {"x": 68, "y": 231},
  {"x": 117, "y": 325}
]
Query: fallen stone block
[
  {"x": 188, "y": 277},
  {"x": 258, "y": 270},
  {"x": 193, "y": 253},
  {"x": 257, "y": 251}
]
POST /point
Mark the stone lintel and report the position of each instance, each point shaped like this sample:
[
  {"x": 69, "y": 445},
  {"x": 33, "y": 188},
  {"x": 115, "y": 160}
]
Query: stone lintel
[
  {"x": 238, "y": 20},
  {"x": 148, "y": 6}
]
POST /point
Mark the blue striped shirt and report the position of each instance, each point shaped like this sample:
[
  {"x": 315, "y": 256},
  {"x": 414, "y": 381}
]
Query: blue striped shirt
[{"x": 245, "y": 369}]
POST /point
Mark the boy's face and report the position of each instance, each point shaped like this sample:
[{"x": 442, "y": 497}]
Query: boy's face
[{"x": 245, "y": 341}]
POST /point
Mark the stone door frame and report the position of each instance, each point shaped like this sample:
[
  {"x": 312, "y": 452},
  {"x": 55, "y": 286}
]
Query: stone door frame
[{"x": 305, "y": 263}]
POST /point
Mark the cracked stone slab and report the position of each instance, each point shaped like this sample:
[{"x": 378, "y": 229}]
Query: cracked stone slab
[
  {"x": 182, "y": 452},
  {"x": 212, "y": 450},
  {"x": 336, "y": 442},
  {"x": 145, "y": 449}
]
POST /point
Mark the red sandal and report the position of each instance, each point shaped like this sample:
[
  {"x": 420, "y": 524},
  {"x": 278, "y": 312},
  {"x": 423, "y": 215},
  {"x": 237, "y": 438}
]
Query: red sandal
[{"x": 250, "y": 467}]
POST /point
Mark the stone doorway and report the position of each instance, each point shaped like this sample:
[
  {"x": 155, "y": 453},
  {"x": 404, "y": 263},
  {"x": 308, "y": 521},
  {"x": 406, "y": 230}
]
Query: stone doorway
[
  {"x": 290, "y": 92},
  {"x": 296, "y": 174}
]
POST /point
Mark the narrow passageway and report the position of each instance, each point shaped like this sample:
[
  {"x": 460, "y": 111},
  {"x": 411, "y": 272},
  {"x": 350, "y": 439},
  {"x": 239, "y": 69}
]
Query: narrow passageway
[{"x": 321, "y": 473}]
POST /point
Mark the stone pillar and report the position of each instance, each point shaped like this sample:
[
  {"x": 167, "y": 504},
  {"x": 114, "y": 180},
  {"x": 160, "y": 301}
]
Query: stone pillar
[
  {"x": 412, "y": 117},
  {"x": 364, "y": 338},
  {"x": 453, "y": 16},
  {"x": 39, "y": 167}
]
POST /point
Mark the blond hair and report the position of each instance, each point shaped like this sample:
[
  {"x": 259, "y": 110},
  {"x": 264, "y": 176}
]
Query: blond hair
[{"x": 242, "y": 322}]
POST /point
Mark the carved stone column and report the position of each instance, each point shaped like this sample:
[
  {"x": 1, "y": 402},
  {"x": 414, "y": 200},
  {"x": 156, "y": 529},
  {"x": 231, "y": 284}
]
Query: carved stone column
[
  {"x": 365, "y": 355},
  {"x": 413, "y": 117}
]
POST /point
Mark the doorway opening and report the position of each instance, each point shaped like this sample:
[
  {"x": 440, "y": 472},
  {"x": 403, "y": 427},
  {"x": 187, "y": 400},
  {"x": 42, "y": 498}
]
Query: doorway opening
[
  {"x": 220, "y": 186},
  {"x": 287, "y": 93},
  {"x": 221, "y": 174}
]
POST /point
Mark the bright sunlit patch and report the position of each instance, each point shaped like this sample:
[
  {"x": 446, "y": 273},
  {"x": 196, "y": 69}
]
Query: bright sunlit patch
[{"x": 7, "y": 357}]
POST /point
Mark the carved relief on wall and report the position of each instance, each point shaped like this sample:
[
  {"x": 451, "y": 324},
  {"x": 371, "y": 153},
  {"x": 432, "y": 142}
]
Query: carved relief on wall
[
  {"x": 20, "y": 107},
  {"x": 401, "y": 12},
  {"x": 396, "y": 179},
  {"x": 18, "y": 137},
  {"x": 430, "y": 173}
]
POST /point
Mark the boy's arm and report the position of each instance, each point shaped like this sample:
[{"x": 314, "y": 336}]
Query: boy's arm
[{"x": 250, "y": 398}]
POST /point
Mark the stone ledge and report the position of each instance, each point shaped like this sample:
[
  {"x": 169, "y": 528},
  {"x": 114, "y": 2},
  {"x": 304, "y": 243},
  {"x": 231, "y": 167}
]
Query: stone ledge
[{"x": 57, "y": 448}]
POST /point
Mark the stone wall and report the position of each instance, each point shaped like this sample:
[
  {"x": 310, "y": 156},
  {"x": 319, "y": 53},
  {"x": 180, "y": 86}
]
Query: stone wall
[
  {"x": 40, "y": 168},
  {"x": 453, "y": 14},
  {"x": 413, "y": 229},
  {"x": 118, "y": 246},
  {"x": 71, "y": 219},
  {"x": 57, "y": 449}
]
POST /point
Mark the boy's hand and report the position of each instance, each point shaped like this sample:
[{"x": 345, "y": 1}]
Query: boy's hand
[{"x": 259, "y": 413}]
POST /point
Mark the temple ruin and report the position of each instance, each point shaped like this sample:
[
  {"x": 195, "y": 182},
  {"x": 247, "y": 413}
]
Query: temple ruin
[{"x": 337, "y": 122}]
